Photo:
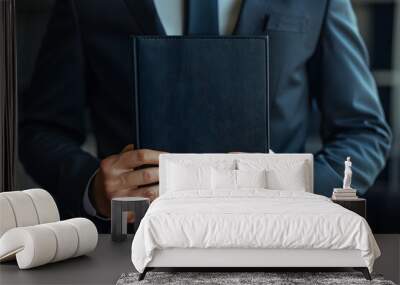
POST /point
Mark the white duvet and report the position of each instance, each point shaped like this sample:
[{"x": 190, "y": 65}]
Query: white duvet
[{"x": 250, "y": 219}]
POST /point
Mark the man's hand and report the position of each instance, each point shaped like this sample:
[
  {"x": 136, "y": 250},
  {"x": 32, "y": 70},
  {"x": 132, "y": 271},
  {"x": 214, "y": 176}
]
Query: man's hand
[{"x": 119, "y": 176}]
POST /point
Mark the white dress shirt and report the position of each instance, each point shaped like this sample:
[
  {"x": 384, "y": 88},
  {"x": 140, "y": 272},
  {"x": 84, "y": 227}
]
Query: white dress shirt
[{"x": 172, "y": 15}]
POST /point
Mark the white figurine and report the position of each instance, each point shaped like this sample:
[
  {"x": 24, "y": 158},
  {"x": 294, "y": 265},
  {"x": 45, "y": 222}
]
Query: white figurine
[{"x": 347, "y": 174}]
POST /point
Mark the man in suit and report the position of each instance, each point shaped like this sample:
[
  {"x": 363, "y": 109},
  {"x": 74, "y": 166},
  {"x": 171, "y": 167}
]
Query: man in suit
[{"x": 318, "y": 57}]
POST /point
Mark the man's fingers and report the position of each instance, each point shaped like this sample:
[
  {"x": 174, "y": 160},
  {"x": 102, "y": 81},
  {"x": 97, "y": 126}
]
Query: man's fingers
[
  {"x": 139, "y": 177},
  {"x": 147, "y": 192},
  {"x": 135, "y": 158},
  {"x": 150, "y": 192},
  {"x": 127, "y": 148}
]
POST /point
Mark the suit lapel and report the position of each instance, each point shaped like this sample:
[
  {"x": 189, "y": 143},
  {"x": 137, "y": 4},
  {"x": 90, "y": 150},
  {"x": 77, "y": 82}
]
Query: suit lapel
[
  {"x": 145, "y": 15},
  {"x": 252, "y": 17},
  {"x": 253, "y": 20}
]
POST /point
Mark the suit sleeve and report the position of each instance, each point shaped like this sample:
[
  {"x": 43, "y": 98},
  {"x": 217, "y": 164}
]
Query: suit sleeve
[
  {"x": 352, "y": 120},
  {"x": 52, "y": 115}
]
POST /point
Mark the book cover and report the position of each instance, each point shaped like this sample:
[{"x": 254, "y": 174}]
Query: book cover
[{"x": 201, "y": 94}]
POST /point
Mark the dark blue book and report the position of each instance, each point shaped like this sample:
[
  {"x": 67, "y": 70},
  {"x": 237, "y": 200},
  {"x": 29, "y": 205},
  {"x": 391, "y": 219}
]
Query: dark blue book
[{"x": 201, "y": 94}]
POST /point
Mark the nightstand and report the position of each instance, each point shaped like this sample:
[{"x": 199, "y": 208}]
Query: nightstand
[
  {"x": 119, "y": 214},
  {"x": 357, "y": 205}
]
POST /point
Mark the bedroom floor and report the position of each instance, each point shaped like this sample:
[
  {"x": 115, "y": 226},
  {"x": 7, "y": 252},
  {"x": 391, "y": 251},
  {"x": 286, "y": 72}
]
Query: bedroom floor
[{"x": 389, "y": 262}]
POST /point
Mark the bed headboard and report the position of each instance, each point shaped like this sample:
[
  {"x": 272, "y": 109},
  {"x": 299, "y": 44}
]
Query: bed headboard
[{"x": 217, "y": 159}]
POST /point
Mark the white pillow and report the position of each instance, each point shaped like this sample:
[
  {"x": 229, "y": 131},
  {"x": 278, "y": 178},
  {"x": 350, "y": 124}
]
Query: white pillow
[
  {"x": 223, "y": 179},
  {"x": 184, "y": 177},
  {"x": 292, "y": 179},
  {"x": 251, "y": 178},
  {"x": 281, "y": 174},
  {"x": 236, "y": 179}
]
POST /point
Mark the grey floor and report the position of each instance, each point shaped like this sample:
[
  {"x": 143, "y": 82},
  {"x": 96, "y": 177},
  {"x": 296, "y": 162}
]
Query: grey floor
[
  {"x": 102, "y": 266},
  {"x": 389, "y": 262}
]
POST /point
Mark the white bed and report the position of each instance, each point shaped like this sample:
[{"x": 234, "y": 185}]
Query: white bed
[{"x": 248, "y": 227}]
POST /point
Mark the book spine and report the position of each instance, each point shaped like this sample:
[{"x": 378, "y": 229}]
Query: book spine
[
  {"x": 334, "y": 197},
  {"x": 345, "y": 191},
  {"x": 345, "y": 194}
]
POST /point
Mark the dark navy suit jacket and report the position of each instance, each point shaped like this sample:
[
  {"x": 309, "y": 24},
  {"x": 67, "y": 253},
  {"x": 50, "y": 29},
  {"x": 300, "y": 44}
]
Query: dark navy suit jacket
[{"x": 317, "y": 55}]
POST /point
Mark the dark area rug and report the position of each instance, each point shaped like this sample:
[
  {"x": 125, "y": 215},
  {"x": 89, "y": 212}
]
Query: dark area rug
[{"x": 229, "y": 278}]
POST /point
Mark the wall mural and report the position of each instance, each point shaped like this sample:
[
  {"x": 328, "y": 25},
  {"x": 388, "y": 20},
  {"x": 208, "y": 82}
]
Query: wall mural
[{"x": 377, "y": 21}]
